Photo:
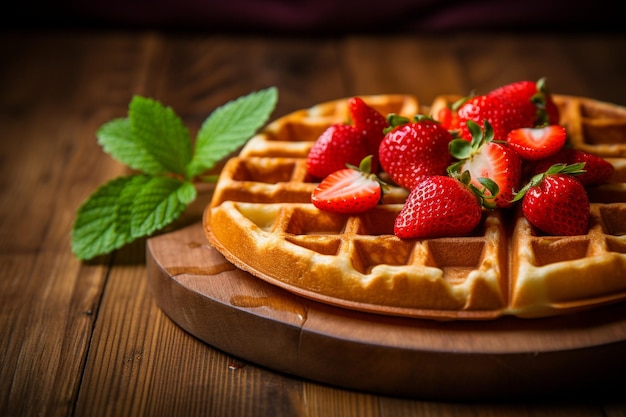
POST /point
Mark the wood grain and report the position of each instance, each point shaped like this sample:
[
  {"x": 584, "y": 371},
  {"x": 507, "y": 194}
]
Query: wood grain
[{"x": 87, "y": 338}]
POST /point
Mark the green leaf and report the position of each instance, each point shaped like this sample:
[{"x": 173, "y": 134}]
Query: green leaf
[
  {"x": 490, "y": 185},
  {"x": 125, "y": 205},
  {"x": 154, "y": 140},
  {"x": 117, "y": 139},
  {"x": 101, "y": 225},
  {"x": 160, "y": 201},
  {"x": 161, "y": 133},
  {"x": 229, "y": 127},
  {"x": 460, "y": 148}
]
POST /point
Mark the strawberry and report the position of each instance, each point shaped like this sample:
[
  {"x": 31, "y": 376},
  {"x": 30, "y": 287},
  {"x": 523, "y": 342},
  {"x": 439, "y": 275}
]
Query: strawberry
[
  {"x": 438, "y": 206},
  {"x": 498, "y": 112},
  {"x": 532, "y": 99},
  {"x": 369, "y": 121},
  {"x": 534, "y": 143},
  {"x": 597, "y": 170},
  {"x": 447, "y": 116},
  {"x": 484, "y": 158},
  {"x": 414, "y": 149},
  {"x": 338, "y": 145},
  {"x": 555, "y": 202},
  {"x": 348, "y": 190}
]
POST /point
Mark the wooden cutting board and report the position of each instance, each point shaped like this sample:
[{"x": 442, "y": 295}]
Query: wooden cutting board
[{"x": 507, "y": 358}]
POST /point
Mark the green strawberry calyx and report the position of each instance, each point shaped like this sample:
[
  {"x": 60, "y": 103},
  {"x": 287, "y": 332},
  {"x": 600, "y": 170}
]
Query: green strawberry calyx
[
  {"x": 394, "y": 120},
  {"x": 573, "y": 169},
  {"x": 539, "y": 100},
  {"x": 462, "y": 149},
  {"x": 485, "y": 200}
]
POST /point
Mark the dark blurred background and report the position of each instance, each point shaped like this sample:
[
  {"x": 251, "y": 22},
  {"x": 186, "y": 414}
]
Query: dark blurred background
[{"x": 319, "y": 17}]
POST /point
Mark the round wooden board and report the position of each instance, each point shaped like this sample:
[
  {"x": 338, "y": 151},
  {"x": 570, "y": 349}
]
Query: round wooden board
[{"x": 506, "y": 358}]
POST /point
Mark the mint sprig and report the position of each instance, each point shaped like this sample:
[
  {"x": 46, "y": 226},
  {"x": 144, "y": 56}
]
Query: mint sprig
[{"x": 154, "y": 142}]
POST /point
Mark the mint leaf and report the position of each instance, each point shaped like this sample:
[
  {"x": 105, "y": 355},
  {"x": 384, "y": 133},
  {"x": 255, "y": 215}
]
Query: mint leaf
[
  {"x": 161, "y": 133},
  {"x": 229, "y": 127},
  {"x": 98, "y": 228},
  {"x": 160, "y": 201},
  {"x": 125, "y": 205},
  {"x": 154, "y": 141},
  {"x": 117, "y": 139},
  {"x": 125, "y": 209}
]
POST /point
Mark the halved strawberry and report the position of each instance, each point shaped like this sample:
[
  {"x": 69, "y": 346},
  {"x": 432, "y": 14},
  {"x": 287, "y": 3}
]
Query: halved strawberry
[
  {"x": 337, "y": 146},
  {"x": 348, "y": 190},
  {"x": 484, "y": 158},
  {"x": 534, "y": 143}
]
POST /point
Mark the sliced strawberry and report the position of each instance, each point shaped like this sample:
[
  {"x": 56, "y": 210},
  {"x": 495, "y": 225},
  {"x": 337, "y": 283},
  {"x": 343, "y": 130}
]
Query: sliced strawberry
[
  {"x": 597, "y": 170},
  {"x": 438, "y": 206},
  {"x": 339, "y": 145},
  {"x": 412, "y": 150},
  {"x": 348, "y": 190},
  {"x": 369, "y": 121},
  {"x": 484, "y": 158},
  {"x": 537, "y": 143},
  {"x": 555, "y": 202}
]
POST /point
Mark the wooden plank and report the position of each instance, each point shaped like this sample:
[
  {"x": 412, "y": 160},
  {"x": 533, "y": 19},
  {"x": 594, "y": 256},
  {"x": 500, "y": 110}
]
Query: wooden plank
[
  {"x": 459, "y": 63},
  {"x": 388, "y": 65},
  {"x": 50, "y": 298},
  {"x": 200, "y": 73}
]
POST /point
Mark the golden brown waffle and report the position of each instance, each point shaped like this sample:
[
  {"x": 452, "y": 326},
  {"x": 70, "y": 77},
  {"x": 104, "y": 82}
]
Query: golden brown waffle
[{"x": 262, "y": 220}]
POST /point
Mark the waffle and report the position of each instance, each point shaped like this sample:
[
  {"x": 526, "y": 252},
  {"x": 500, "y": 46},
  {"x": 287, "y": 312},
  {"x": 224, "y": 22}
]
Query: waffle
[{"x": 262, "y": 220}]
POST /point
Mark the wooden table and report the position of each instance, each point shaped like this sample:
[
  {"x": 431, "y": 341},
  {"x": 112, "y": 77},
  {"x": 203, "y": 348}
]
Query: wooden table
[{"x": 87, "y": 338}]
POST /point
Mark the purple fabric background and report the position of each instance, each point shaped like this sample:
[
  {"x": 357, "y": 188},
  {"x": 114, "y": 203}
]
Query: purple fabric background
[{"x": 321, "y": 16}]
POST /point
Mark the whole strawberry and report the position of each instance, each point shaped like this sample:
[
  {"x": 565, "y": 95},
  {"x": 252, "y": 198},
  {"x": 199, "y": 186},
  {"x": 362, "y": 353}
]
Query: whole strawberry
[
  {"x": 338, "y": 145},
  {"x": 597, "y": 170},
  {"x": 555, "y": 202},
  {"x": 349, "y": 190},
  {"x": 447, "y": 115},
  {"x": 438, "y": 206},
  {"x": 412, "y": 150},
  {"x": 498, "y": 112},
  {"x": 531, "y": 99},
  {"x": 368, "y": 121},
  {"x": 484, "y": 158}
]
